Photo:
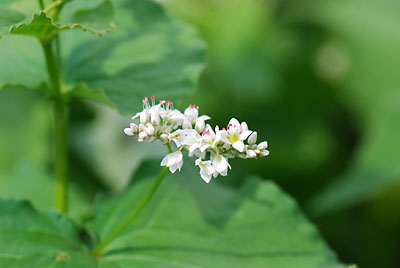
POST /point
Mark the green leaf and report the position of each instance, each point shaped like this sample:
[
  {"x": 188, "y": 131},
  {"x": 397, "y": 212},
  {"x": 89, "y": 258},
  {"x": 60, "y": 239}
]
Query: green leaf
[
  {"x": 41, "y": 25},
  {"x": 81, "y": 91},
  {"x": 187, "y": 224},
  {"x": 192, "y": 224},
  {"x": 22, "y": 63},
  {"x": 372, "y": 93},
  {"x": 150, "y": 53},
  {"x": 32, "y": 239}
]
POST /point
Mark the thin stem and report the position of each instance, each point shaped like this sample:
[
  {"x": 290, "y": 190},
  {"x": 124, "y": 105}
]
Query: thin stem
[
  {"x": 60, "y": 120},
  {"x": 41, "y": 5},
  {"x": 132, "y": 215}
]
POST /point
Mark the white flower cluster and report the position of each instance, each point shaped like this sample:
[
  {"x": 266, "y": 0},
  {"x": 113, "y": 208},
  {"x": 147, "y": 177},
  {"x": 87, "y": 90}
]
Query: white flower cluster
[{"x": 189, "y": 132}]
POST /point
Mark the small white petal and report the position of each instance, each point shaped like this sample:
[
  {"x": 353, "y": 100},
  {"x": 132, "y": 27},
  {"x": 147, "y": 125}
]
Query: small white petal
[
  {"x": 144, "y": 116},
  {"x": 142, "y": 136},
  {"x": 253, "y": 138},
  {"x": 244, "y": 126},
  {"x": 245, "y": 134},
  {"x": 251, "y": 154},
  {"x": 262, "y": 145},
  {"x": 200, "y": 124},
  {"x": 164, "y": 138},
  {"x": 264, "y": 153},
  {"x": 150, "y": 130},
  {"x": 128, "y": 131},
  {"x": 239, "y": 145},
  {"x": 220, "y": 164},
  {"x": 187, "y": 124}
]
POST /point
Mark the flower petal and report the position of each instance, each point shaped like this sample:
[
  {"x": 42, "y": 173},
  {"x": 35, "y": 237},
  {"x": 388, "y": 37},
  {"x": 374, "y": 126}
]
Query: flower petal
[{"x": 239, "y": 145}]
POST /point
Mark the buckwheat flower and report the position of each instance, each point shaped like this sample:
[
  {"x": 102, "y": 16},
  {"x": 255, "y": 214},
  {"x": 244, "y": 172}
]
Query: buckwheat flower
[
  {"x": 234, "y": 135},
  {"x": 206, "y": 169},
  {"x": 220, "y": 164},
  {"x": 173, "y": 161},
  {"x": 209, "y": 138},
  {"x": 189, "y": 132},
  {"x": 192, "y": 118}
]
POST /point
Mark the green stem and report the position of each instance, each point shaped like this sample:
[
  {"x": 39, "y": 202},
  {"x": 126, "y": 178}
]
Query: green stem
[
  {"x": 41, "y": 5},
  {"x": 132, "y": 215},
  {"x": 60, "y": 120}
]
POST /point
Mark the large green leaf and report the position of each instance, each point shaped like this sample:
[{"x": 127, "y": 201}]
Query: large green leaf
[
  {"x": 192, "y": 224},
  {"x": 150, "y": 53},
  {"x": 31, "y": 239},
  {"x": 372, "y": 90},
  {"x": 187, "y": 224}
]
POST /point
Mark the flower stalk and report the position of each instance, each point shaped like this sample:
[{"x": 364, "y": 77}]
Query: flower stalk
[{"x": 97, "y": 251}]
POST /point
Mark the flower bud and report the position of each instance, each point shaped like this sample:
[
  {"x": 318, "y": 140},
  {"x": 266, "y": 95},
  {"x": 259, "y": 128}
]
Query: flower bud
[
  {"x": 262, "y": 145},
  {"x": 128, "y": 131},
  {"x": 142, "y": 136},
  {"x": 251, "y": 154},
  {"x": 187, "y": 124},
  {"x": 200, "y": 125},
  {"x": 134, "y": 127},
  {"x": 253, "y": 138},
  {"x": 164, "y": 138},
  {"x": 150, "y": 130},
  {"x": 264, "y": 153}
]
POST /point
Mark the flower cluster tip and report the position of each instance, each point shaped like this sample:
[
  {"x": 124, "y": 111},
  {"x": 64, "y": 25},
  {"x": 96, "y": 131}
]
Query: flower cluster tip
[{"x": 189, "y": 132}]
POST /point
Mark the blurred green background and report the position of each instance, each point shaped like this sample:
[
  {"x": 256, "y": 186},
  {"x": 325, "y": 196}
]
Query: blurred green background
[{"x": 317, "y": 79}]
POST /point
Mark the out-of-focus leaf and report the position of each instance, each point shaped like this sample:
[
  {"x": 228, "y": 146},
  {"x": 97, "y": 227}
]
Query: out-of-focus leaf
[
  {"x": 31, "y": 239},
  {"x": 21, "y": 58},
  {"x": 25, "y": 154},
  {"x": 42, "y": 26},
  {"x": 81, "y": 91},
  {"x": 211, "y": 226},
  {"x": 22, "y": 63},
  {"x": 150, "y": 53},
  {"x": 370, "y": 42},
  {"x": 118, "y": 155}
]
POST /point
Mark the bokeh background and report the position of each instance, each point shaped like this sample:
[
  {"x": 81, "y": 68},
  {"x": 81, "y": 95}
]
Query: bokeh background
[{"x": 319, "y": 80}]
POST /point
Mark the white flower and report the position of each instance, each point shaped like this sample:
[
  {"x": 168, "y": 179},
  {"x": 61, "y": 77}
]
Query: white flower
[
  {"x": 234, "y": 135},
  {"x": 173, "y": 161},
  {"x": 209, "y": 138},
  {"x": 192, "y": 118},
  {"x": 220, "y": 164},
  {"x": 206, "y": 169},
  {"x": 189, "y": 132}
]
